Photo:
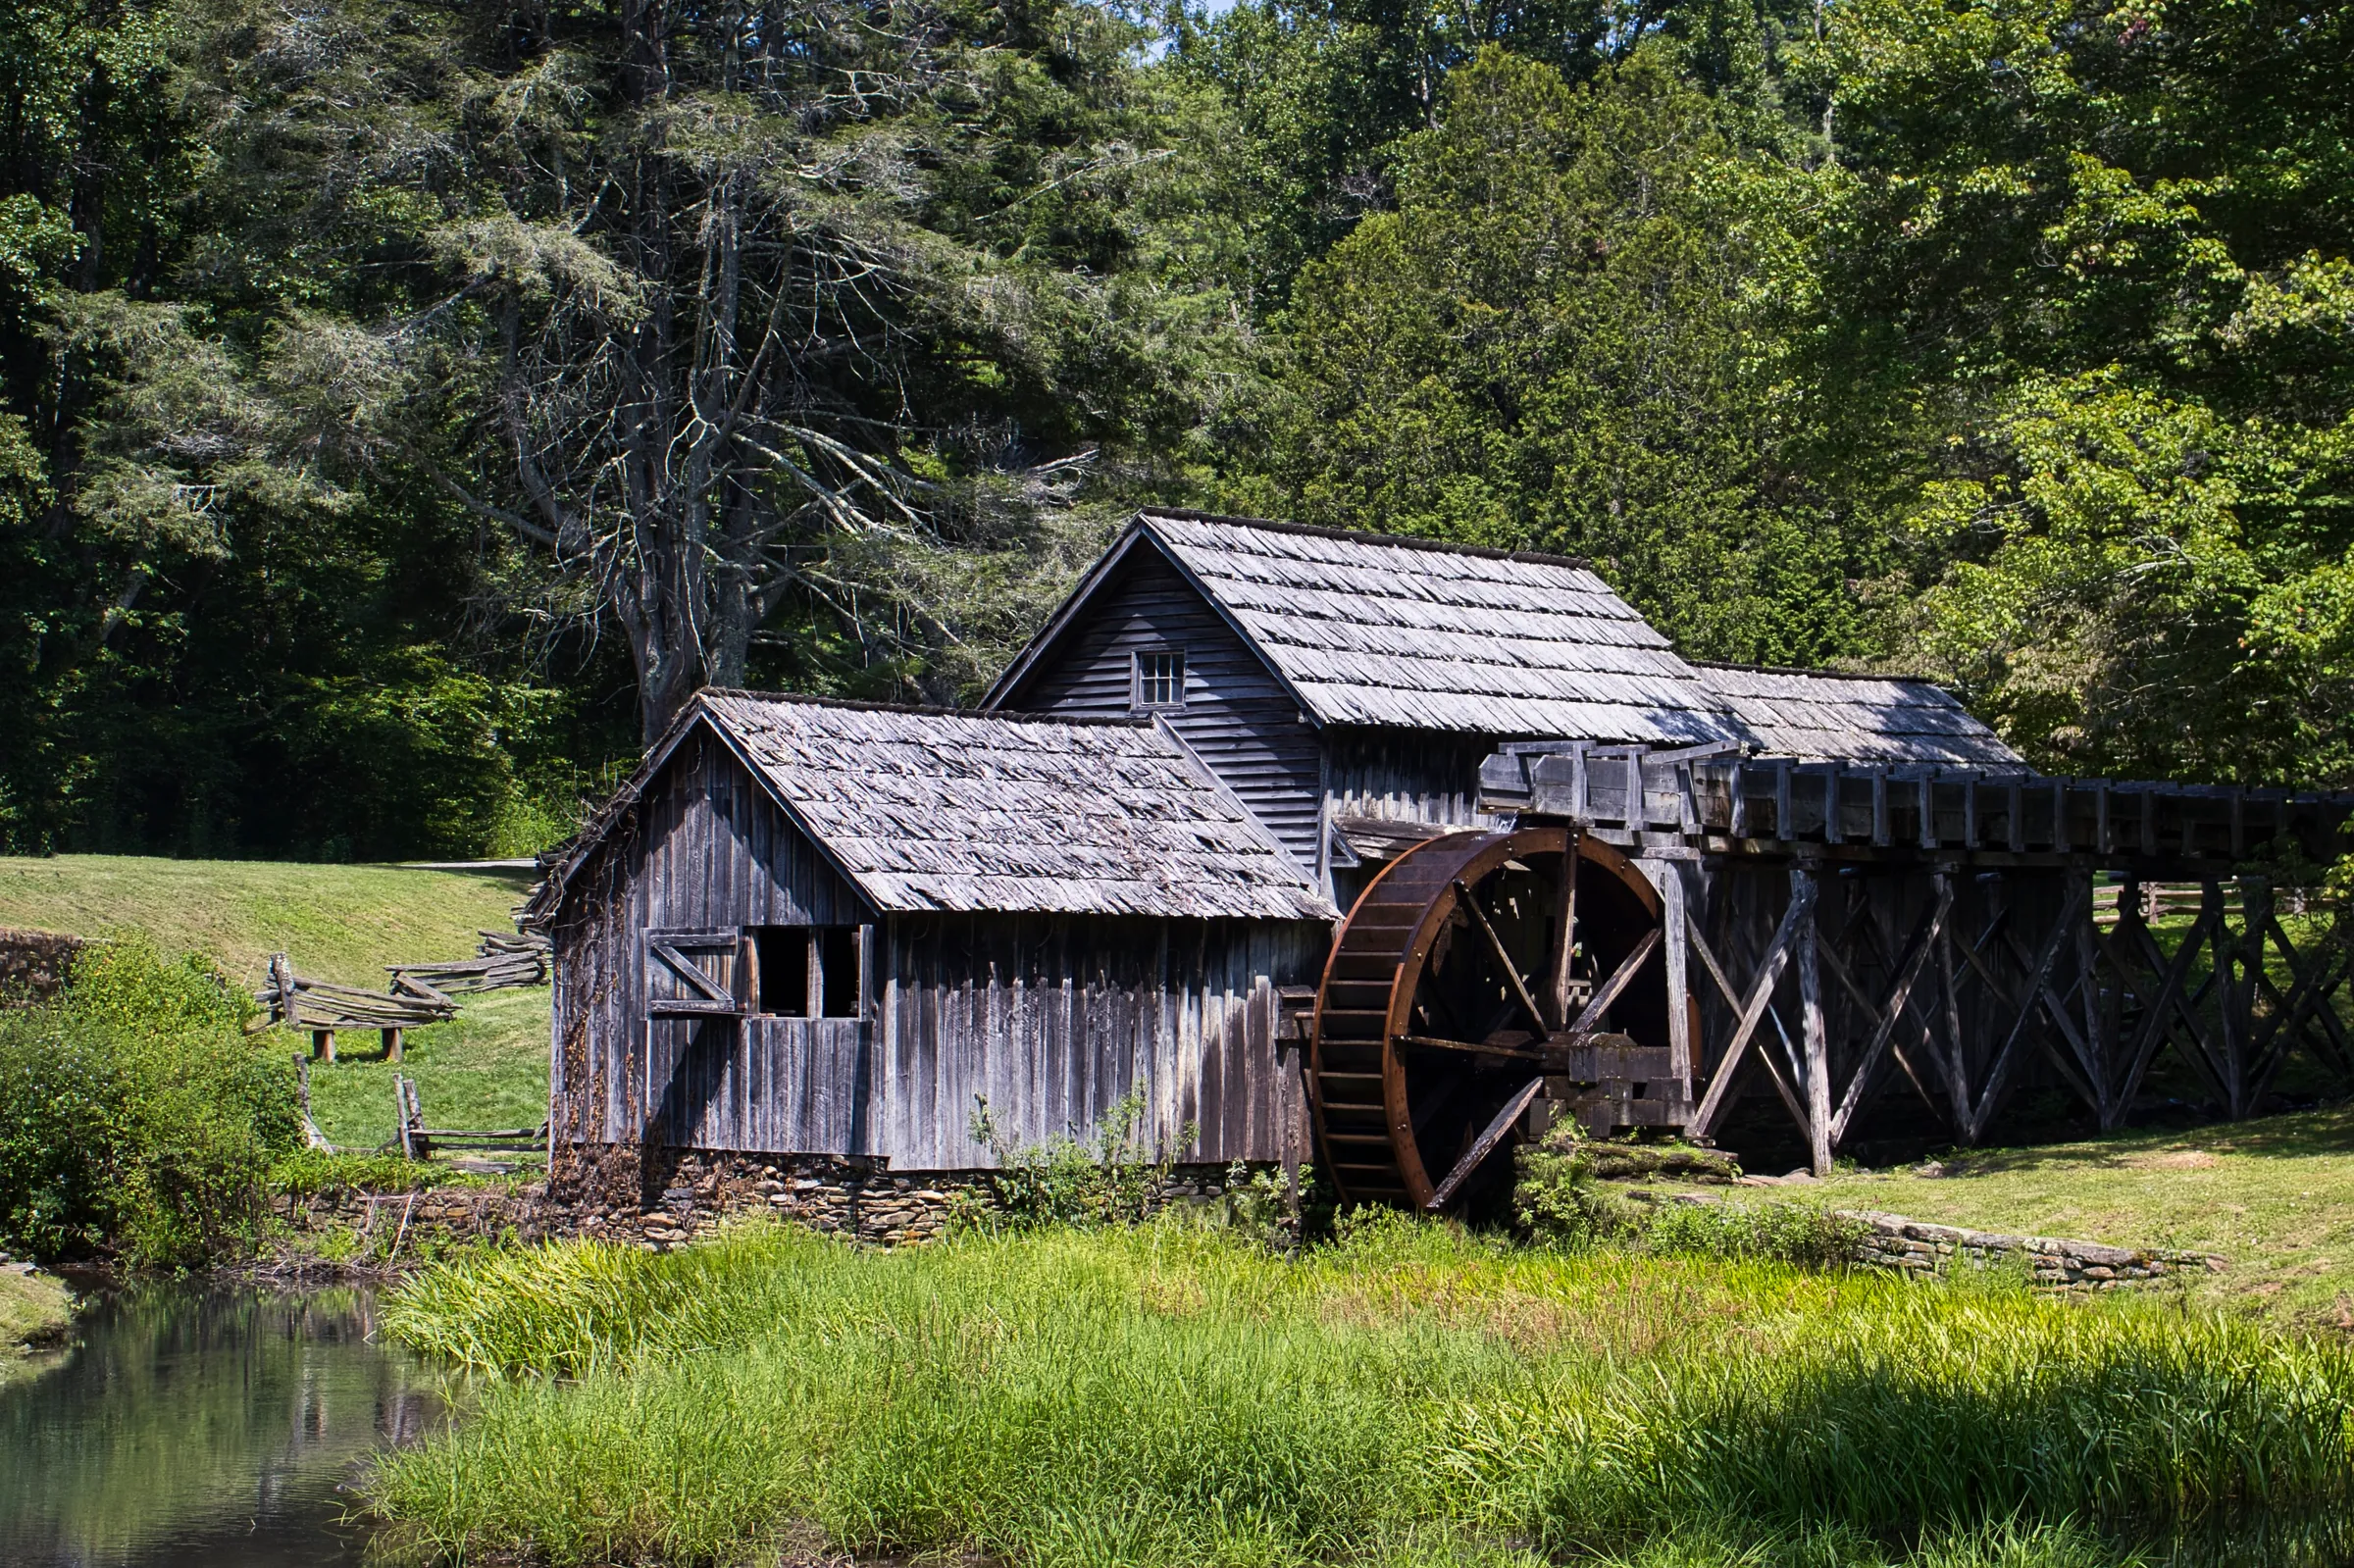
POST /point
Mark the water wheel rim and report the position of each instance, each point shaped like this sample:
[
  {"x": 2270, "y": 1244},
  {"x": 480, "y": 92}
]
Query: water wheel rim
[{"x": 1426, "y": 874}]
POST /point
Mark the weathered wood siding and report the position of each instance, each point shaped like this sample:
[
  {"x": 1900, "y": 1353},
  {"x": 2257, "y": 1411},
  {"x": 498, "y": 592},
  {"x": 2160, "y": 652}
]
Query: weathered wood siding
[
  {"x": 1405, "y": 775},
  {"x": 709, "y": 848},
  {"x": 1238, "y": 718},
  {"x": 1053, "y": 1019}
]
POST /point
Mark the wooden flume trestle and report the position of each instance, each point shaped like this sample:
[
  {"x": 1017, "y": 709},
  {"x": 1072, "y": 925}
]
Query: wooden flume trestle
[{"x": 1650, "y": 936}]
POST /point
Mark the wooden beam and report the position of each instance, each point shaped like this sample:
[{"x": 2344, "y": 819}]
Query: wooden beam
[
  {"x": 1485, "y": 1144},
  {"x": 1900, "y": 994},
  {"x": 1800, "y": 911},
  {"x": 1817, "y": 1047},
  {"x": 1679, "y": 989}
]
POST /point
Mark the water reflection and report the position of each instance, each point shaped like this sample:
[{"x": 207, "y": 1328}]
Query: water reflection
[{"x": 199, "y": 1429}]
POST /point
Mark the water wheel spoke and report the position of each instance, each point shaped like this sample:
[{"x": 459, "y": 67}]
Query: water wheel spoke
[
  {"x": 1467, "y": 901},
  {"x": 1612, "y": 988},
  {"x": 1485, "y": 1144}
]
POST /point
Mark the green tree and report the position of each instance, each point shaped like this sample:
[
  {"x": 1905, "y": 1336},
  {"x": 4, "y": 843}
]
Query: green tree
[{"x": 1569, "y": 337}]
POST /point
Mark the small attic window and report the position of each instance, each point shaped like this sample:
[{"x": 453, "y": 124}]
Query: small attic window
[{"x": 1160, "y": 680}]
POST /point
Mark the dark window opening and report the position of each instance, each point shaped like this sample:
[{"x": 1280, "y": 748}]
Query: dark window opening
[
  {"x": 1160, "y": 680},
  {"x": 783, "y": 954},
  {"x": 837, "y": 967},
  {"x": 807, "y": 971}
]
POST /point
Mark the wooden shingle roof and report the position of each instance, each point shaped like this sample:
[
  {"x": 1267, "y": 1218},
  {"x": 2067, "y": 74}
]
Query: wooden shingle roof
[
  {"x": 927, "y": 809},
  {"x": 1822, "y": 716},
  {"x": 1375, "y": 629}
]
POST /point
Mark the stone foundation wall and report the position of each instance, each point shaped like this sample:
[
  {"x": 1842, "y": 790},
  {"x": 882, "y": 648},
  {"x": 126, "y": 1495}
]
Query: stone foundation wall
[
  {"x": 674, "y": 1196},
  {"x": 34, "y": 964},
  {"x": 1892, "y": 1242}
]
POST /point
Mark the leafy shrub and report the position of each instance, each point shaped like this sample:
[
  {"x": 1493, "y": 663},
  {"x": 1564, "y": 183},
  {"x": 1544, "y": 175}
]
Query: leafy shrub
[
  {"x": 1557, "y": 1200},
  {"x": 1782, "y": 1233},
  {"x": 1113, "y": 1175},
  {"x": 137, "y": 1121},
  {"x": 306, "y": 1173}
]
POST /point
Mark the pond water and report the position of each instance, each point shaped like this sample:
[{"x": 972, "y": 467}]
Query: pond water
[{"x": 204, "y": 1429}]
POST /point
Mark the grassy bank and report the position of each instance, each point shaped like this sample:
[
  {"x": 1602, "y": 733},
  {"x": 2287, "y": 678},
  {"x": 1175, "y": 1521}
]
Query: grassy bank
[
  {"x": 1171, "y": 1396},
  {"x": 34, "y": 1309},
  {"x": 340, "y": 923},
  {"x": 2274, "y": 1196}
]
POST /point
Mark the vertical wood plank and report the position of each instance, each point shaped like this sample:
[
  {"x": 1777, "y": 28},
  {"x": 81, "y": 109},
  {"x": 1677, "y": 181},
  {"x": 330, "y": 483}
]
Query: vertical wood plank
[{"x": 1816, "y": 1040}]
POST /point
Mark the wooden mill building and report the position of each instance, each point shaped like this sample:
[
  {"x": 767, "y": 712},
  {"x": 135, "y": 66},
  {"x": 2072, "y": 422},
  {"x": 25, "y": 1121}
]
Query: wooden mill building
[
  {"x": 819, "y": 928},
  {"x": 1347, "y": 687},
  {"x": 1420, "y": 844}
]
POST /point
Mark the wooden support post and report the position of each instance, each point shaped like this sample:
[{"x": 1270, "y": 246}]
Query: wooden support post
[
  {"x": 323, "y": 1045},
  {"x": 1880, "y": 806},
  {"x": 2227, "y": 1003},
  {"x": 1638, "y": 810},
  {"x": 1782, "y": 827},
  {"x": 1832, "y": 829},
  {"x": 1738, "y": 824},
  {"x": 1957, "y": 1056},
  {"x": 1816, "y": 1039},
  {"x": 2103, "y": 842},
  {"x": 1679, "y": 1008},
  {"x": 1969, "y": 813},
  {"x": 400, "y": 1117},
  {"x": 2017, "y": 807},
  {"x": 1564, "y": 927},
  {"x": 1928, "y": 811},
  {"x": 392, "y": 1044}
]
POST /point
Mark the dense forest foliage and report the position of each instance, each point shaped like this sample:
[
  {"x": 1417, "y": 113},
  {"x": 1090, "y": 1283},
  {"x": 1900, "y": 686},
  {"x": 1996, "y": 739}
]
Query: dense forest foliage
[{"x": 406, "y": 404}]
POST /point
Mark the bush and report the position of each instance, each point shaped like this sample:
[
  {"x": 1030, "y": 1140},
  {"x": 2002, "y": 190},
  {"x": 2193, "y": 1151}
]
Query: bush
[
  {"x": 137, "y": 1121},
  {"x": 1113, "y": 1175},
  {"x": 1780, "y": 1233},
  {"x": 1557, "y": 1200}
]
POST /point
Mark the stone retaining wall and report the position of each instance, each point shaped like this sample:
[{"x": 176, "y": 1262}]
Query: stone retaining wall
[
  {"x": 34, "y": 964},
  {"x": 676, "y": 1196},
  {"x": 1893, "y": 1242}
]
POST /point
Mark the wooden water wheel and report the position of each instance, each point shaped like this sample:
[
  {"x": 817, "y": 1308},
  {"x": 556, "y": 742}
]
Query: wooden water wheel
[{"x": 1477, "y": 973}]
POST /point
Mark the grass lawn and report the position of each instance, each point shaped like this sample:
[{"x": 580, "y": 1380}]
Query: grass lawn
[
  {"x": 2276, "y": 1196},
  {"x": 339, "y": 922},
  {"x": 488, "y": 1069},
  {"x": 1179, "y": 1395}
]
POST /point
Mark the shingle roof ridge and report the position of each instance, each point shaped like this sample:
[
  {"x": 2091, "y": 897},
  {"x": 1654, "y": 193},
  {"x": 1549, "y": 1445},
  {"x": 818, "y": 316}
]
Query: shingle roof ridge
[
  {"x": 1409, "y": 542},
  {"x": 922, "y": 710},
  {"x": 1812, "y": 670}
]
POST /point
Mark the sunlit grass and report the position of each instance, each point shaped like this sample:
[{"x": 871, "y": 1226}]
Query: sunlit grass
[
  {"x": 1171, "y": 1396},
  {"x": 2274, "y": 1196},
  {"x": 340, "y": 923}
]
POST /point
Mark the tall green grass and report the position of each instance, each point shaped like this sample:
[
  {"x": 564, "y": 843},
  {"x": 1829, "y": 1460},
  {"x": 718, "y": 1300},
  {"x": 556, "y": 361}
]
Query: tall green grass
[{"x": 1167, "y": 1395}]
